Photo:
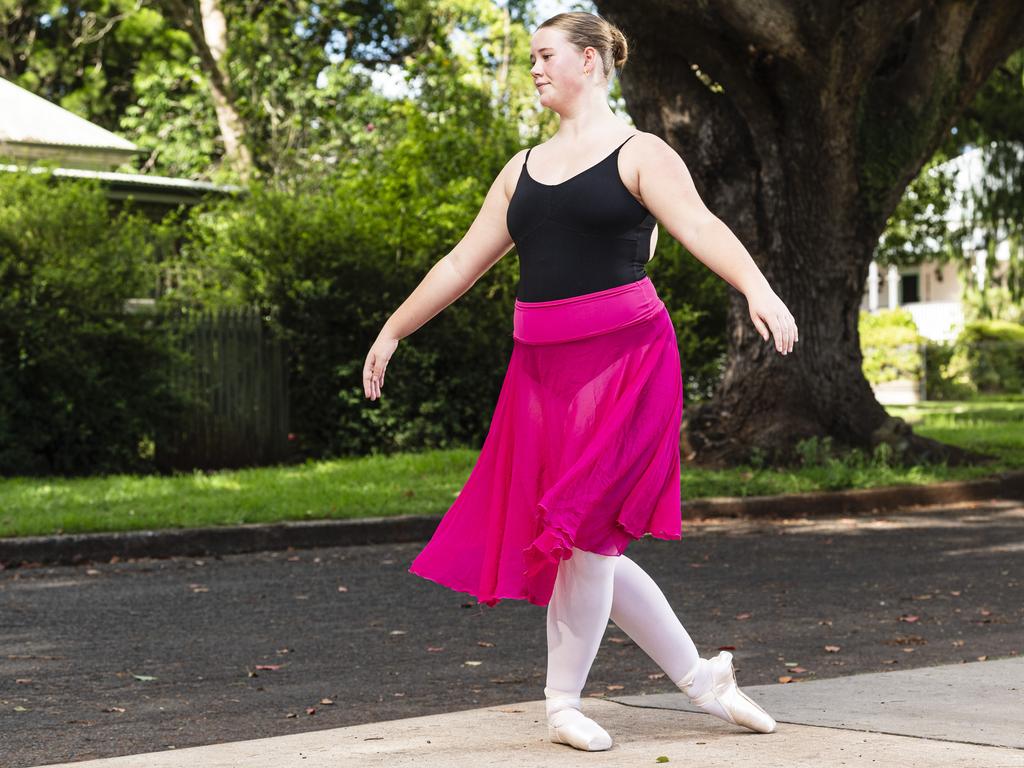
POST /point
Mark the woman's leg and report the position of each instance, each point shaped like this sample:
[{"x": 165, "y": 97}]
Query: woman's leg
[
  {"x": 577, "y": 616},
  {"x": 641, "y": 610}
]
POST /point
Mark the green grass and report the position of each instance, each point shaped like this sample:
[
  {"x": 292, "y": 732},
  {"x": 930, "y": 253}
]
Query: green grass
[
  {"x": 427, "y": 483},
  {"x": 990, "y": 425}
]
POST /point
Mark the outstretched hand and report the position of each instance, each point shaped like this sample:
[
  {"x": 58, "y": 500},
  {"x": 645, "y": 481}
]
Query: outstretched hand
[
  {"x": 376, "y": 363},
  {"x": 768, "y": 313}
]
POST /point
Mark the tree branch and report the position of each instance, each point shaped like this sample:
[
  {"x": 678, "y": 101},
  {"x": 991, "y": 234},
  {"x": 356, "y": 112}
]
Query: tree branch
[
  {"x": 88, "y": 24},
  {"x": 770, "y": 25},
  {"x": 933, "y": 54},
  {"x": 907, "y": 108},
  {"x": 997, "y": 33},
  {"x": 184, "y": 17},
  {"x": 870, "y": 37}
]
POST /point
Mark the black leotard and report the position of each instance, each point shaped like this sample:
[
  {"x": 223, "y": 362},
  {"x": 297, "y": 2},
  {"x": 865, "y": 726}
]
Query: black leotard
[{"x": 583, "y": 235}]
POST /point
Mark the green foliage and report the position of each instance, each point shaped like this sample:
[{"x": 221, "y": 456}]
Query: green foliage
[
  {"x": 299, "y": 72},
  {"x": 940, "y": 383},
  {"x": 989, "y": 357},
  {"x": 104, "y": 59},
  {"x": 698, "y": 303},
  {"x": 995, "y": 205},
  {"x": 836, "y": 466},
  {"x": 336, "y": 254},
  {"x": 997, "y": 111},
  {"x": 171, "y": 120},
  {"x": 890, "y": 344},
  {"x": 81, "y": 386},
  {"x": 919, "y": 229},
  {"x": 814, "y": 452},
  {"x": 994, "y": 201},
  {"x": 996, "y": 301}
]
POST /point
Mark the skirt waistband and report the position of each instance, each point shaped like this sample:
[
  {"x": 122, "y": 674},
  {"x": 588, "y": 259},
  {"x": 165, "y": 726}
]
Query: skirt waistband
[{"x": 576, "y": 317}]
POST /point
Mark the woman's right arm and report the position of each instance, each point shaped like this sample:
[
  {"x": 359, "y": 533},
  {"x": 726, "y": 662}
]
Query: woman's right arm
[{"x": 486, "y": 241}]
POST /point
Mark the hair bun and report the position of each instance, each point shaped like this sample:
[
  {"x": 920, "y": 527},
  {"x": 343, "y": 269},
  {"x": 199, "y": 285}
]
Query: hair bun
[{"x": 620, "y": 50}]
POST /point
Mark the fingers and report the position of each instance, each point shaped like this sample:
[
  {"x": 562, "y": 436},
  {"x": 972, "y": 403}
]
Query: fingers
[
  {"x": 785, "y": 345},
  {"x": 373, "y": 377},
  {"x": 785, "y": 332},
  {"x": 375, "y": 366},
  {"x": 761, "y": 327}
]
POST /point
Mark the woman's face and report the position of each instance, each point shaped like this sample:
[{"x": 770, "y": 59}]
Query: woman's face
[{"x": 557, "y": 68}]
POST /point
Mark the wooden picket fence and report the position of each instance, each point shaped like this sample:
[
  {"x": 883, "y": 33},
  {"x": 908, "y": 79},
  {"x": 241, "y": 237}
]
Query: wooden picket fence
[{"x": 234, "y": 368}]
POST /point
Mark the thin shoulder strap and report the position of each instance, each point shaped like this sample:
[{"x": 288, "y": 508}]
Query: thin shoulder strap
[
  {"x": 620, "y": 145},
  {"x": 526, "y": 159}
]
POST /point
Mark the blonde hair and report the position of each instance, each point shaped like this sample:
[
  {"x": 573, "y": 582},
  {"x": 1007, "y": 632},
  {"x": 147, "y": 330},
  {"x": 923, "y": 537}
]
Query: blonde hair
[{"x": 583, "y": 29}]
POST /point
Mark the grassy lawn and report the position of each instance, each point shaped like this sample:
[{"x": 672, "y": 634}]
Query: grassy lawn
[{"x": 427, "y": 483}]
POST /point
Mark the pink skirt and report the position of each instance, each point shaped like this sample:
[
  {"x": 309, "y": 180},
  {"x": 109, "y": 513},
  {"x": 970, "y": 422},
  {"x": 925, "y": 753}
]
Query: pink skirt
[{"x": 582, "y": 450}]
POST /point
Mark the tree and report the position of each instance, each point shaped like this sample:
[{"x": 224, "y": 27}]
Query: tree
[
  {"x": 269, "y": 88},
  {"x": 207, "y": 29},
  {"x": 802, "y": 123}
]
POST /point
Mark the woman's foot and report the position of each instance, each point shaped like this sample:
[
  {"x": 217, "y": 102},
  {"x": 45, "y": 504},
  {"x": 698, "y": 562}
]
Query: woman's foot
[
  {"x": 711, "y": 685},
  {"x": 568, "y": 725}
]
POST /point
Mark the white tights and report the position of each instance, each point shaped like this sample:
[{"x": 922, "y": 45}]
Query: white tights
[{"x": 590, "y": 589}]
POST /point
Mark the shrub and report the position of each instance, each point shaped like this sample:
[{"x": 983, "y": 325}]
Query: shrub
[
  {"x": 81, "y": 386},
  {"x": 939, "y": 381},
  {"x": 988, "y": 356},
  {"x": 891, "y": 346}
]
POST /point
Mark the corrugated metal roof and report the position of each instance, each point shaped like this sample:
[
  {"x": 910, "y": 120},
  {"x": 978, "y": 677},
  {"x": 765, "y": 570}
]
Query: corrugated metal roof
[
  {"x": 25, "y": 117},
  {"x": 137, "y": 179}
]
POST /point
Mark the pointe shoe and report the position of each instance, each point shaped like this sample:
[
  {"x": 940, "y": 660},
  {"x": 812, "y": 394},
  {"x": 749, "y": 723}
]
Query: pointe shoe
[
  {"x": 568, "y": 725},
  {"x": 726, "y": 700}
]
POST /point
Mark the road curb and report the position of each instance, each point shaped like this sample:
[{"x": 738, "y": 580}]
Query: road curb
[
  {"x": 859, "y": 501},
  {"x": 70, "y": 549}
]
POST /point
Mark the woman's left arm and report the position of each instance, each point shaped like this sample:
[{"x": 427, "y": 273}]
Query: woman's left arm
[{"x": 668, "y": 192}]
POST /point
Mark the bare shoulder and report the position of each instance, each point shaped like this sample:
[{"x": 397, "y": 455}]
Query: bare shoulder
[
  {"x": 649, "y": 149},
  {"x": 509, "y": 175},
  {"x": 643, "y": 155},
  {"x": 653, "y": 172},
  {"x": 651, "y": 159}
]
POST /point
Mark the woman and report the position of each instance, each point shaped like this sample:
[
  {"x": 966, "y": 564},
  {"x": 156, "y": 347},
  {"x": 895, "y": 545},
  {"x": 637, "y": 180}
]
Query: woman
[{"x": 582, "y": 454}]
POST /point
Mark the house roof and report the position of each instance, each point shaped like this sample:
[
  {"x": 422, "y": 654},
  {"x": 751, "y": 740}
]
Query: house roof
[
  {"x": 25, "y": 117},
  {"x": 32, "y": 128},
  {"x": 138, "y": 185}
]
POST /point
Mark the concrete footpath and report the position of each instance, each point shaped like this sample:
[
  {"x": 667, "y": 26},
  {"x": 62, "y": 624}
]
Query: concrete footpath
[{"x": 957, "y": 715}]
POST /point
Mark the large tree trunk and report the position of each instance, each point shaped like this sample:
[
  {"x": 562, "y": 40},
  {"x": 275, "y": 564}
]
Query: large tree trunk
[{"x": 802, "y": 121}]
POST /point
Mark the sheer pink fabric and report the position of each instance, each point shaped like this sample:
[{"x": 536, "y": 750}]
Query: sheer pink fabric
[{"x": 582, "y": 449}]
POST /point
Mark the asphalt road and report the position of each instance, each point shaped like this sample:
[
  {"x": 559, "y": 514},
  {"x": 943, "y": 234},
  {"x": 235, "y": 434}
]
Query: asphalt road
[{"x": 126, "y": 657}]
